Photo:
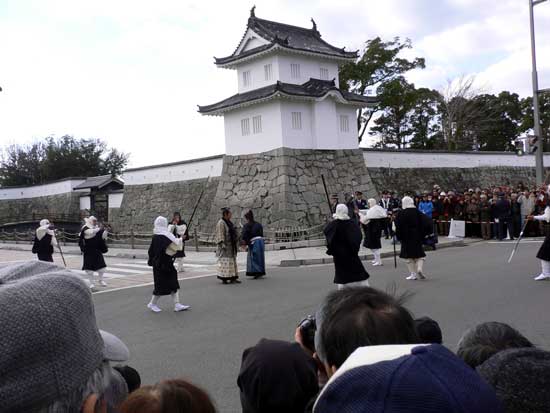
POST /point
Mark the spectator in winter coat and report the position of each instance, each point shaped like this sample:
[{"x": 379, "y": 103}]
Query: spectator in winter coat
[{"x": 426, "y": 206}]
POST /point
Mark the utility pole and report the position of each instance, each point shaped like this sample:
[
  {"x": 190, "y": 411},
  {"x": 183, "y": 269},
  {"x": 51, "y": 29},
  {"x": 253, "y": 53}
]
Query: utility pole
[{"x": 539, "y": 152}]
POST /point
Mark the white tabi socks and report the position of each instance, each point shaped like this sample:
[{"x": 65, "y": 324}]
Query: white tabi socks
[
  {"x": 545, "y": 274},
  {"x": 377, "y": 260},
  {"x": 177, "y": 305},
  {"x": 411, "y": 265},
  {"x": 153, "y": 304}
]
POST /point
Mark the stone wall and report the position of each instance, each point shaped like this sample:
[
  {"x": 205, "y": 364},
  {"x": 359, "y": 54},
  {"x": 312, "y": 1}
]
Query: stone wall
[
  {"x": 29, "y": 209},
  {"x": 403, "y": 180},
  {"x": 284, "y": 186},
  {"x": 148, "y": 201}
]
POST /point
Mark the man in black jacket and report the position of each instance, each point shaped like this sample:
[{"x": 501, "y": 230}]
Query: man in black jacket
[{"x": 503, "y": 216}]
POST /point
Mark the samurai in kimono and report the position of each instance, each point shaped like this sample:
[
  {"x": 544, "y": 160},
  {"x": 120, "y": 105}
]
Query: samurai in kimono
[
  {"x": 44, "y": 241},
  {"x": 253, "y": 239},
  {"x": 178, "y": 227},
  {"x": 164, "y": 246},
  {"x": 92, "y": 242},
  {"x": 374, "y": 221},
  {"x": 226, "y": 249}
]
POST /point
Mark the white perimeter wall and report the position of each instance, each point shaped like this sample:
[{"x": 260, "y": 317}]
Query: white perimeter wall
[
  {"x": 390, "y": 159},
  {"x": 184, "y": 171},
  {"x": 203, "y": 168},
  {"x": 54, "y": 188},
  {"x": 270, "y": 137}
]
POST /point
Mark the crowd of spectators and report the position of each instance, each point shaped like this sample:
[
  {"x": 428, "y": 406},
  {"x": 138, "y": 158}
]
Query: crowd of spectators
[
  {"x": 489, "y": 213},
  {"x": 362, "y": 351}
]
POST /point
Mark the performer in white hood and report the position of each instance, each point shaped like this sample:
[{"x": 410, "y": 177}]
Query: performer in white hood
[
  {"x": 44, "y": 241},
  {"x": 92, "y": 242},
  {"x": 410, "y": 231},
  {"x": 164, "y": 246},
  {"x": 375, "y": 221},
  {"x": 544, "y": 252}
]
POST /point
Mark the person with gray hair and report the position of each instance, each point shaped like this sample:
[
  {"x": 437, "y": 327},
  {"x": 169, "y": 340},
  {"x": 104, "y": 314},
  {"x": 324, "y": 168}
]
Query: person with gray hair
[
  {"x": 53, "y": 358},
  {"x": 485, "y": 340}
]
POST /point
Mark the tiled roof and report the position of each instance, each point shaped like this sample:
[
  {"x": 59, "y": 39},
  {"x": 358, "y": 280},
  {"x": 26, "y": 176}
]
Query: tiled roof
[
  {"x": 98, "y": 182},
  {"x": 314, "y": 88},
  {"x": 287, "y": 37}
]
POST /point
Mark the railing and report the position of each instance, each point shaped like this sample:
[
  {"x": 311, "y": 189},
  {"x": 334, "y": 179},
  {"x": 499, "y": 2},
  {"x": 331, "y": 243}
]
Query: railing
[
  {"x": 135, "y": 239},
  {"x": 37, "y": 216}
]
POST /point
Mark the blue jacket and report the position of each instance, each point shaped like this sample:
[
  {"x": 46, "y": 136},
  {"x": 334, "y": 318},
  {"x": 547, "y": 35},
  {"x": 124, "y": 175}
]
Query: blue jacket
[{"x": 426, "y": 207}]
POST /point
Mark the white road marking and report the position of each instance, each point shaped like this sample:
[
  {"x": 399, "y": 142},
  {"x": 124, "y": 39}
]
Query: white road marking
[
  {"x": 514, "y": 241},
  {"x": 147, "y": 284}
]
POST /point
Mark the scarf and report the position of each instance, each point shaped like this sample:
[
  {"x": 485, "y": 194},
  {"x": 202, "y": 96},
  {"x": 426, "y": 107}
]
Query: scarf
[{"x": 161, "y": 228}]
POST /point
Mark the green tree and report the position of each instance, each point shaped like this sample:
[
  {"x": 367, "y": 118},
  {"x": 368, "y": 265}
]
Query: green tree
[
  {"x": 503, "y": 116},
  {"x": 426, "y": 120},
  {"x": 526, "y": 124},
  {"x": 52, "y": 159},
  {"x": 378, "y": 64},
  {"x": 393, "y": 127}
]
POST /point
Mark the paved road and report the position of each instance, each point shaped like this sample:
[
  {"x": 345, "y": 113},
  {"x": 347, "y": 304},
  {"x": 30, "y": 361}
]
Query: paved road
[{"x": 466, "y": 286}]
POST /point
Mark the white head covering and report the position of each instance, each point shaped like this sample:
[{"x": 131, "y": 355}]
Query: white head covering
[
  {"x": 407, "y": 202},
  {"x": 44, "y": 229},
  {"x": 91, "y": 221},
  {"x": 341, "y": 212},
  {"x": 161, "y": 228},
  {"x": 375, "y": 211}
]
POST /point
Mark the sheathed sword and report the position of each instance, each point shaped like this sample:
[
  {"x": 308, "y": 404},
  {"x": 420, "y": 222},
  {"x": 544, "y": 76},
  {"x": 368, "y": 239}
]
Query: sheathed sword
[{"x": 518, "y": 241}]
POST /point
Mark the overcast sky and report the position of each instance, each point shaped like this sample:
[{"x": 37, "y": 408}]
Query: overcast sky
[{"x": 132, "y": 71}]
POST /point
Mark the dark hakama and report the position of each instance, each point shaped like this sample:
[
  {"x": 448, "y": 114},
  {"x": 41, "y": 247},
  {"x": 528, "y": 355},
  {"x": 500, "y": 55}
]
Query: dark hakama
[
  {"x": 410, "y": 232},
  {"x": 165, "y": 275},
  {"x": 544, "y": 250},
  {"x": 373, "y": 233},
  {"x": 93, "y": 250},
  {"x": 43, "y": 248},
  {"x": 343, "y": 243},
  {"x": 252, "y": 236}
]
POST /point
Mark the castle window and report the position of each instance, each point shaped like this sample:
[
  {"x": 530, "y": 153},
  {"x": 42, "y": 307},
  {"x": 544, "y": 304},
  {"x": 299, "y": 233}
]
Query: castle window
[
  {"x": 245, "y": 127},
  {"x": 344, "y": 123},
  {"x": 297, "y": 120},
  {"x": 295, "y": 71},
  {"x": 246, "y": 78},
  {"x": 268, "y": 72},
  {"x": 257, "y": 124},
  {"x": 323, "y": 73}
]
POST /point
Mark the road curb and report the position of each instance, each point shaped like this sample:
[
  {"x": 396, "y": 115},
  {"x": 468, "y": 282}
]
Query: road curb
[{"x": 365, "y": 257}]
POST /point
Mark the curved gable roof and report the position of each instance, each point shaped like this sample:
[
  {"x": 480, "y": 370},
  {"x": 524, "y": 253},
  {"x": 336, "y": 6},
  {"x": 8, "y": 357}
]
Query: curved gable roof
[{"x": 291, "y": 38}]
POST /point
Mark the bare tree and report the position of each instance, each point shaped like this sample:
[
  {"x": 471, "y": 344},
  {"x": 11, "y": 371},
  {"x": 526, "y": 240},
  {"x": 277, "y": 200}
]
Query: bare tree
[{"x": 464, "y": 116}]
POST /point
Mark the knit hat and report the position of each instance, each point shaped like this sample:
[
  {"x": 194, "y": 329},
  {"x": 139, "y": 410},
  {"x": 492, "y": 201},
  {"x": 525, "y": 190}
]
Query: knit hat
[
  {"x": 50, "y": 344},
  {"x": 406, "y": 378},
  {"x": 277, "y": 376},
  {"x": 521, "y": 378}
]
